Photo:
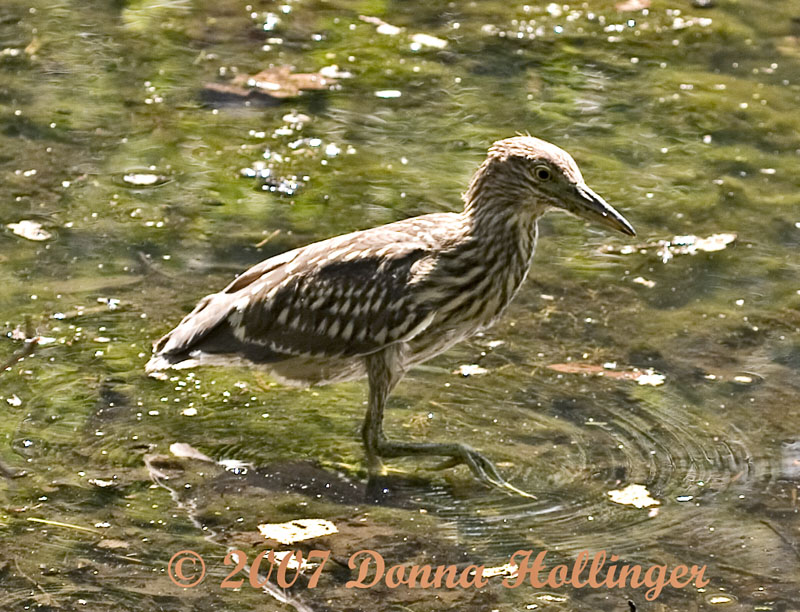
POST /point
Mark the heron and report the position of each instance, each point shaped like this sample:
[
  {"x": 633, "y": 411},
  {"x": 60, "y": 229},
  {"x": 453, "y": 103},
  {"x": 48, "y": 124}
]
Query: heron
[{"x": 374, "y": 303}]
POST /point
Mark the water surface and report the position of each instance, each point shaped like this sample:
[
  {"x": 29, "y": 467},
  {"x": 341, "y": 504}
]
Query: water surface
[{"x": 154, "y": 191}]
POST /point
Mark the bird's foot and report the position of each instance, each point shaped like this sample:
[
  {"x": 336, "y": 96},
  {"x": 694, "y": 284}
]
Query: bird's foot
[{"x": 483, "y": 469}]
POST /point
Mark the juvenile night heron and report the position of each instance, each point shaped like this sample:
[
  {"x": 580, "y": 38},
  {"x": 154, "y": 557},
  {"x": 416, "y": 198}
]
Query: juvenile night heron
[{"x": 376, "y": 302}]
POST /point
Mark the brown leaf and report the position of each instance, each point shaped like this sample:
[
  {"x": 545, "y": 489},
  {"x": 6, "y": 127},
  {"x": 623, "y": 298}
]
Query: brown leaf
[
  {"x": 647, "y": 377},
  {"x": 276, "y": 83},
  {"x": 588, "y": 368},
  {"x": 33, "y": 46},
  {"x": 281, "y": 82},
  {"x": 226, "y": 90},
  {"x": 112, "y": 544}
]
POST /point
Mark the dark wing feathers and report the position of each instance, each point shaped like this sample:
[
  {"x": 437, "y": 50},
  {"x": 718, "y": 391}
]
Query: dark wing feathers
[
  {"x": 348, "y": 295},
  {"x": 337, "y": 308}
]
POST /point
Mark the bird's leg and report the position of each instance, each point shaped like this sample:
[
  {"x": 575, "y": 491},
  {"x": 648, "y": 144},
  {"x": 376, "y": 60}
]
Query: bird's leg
[{"x": 384, "y": 373}]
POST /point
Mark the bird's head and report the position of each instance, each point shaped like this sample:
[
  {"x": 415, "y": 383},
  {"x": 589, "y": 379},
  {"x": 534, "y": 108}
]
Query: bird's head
[{"x": 536, "y": 174}]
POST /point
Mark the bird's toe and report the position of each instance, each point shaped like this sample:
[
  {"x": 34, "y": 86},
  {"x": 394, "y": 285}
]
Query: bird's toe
[{"x": 487, "y": 473}]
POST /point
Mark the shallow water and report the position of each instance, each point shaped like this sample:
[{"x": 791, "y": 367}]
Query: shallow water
[{"x": 684, "y": 118}]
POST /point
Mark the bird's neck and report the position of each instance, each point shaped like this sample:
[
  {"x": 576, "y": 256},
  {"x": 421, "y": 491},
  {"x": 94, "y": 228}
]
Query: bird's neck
[
  {"x": 498, "y": 207},
  {"x": 501, "y": 226},
  {"x": 506, "y": 236},
  {"x": 504, "y": 220},
  {"x": 478, "y": 275}
]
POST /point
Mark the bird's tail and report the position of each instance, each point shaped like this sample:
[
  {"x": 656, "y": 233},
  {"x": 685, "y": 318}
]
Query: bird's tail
[
  {"x": 160, "y": 362},
  {"x": 176, "y": 349}
]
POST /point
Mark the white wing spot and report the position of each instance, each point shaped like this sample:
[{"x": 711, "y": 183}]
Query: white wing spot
[
  {"x": 283, "y": 316},
  {"x": 235, "y": 319},
  {"x": 348, "y": 331}
]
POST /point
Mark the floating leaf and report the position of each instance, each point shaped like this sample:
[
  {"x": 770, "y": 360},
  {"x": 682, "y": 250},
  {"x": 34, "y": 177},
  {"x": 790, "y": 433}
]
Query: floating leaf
[
  {"x": 647, "y": 377},
  {"x": 333, "y": 72},
  {"x": 588, "y": 368},
  {"x": 32, "y": 230},
  {"x": 382, "y": 27},
  {"x": 142, "y": 179},
  {"x": 651, "y": 378},
  {"x": 113, "y": 544},
  {"x": 33, "y": 46},
  {"x": 633, "y": 495},
  {"x": 426, "y": 40},
  {"x": 470, "y": 370},
  {"x": 295, "y": 118},
  {"x": 102, "y": 484},
  {"x": 297, "y": 531},
  {"x": 181, "y": 449},
  {"x": 278, "y": 82},
  {"x": 291, "y": 562},
  {"x": 509, "y": 569},
  {"x": 281, "y": 82},
  {"x": 112, "y": 303},
  {"x": 678, "y": 245},
  {"x": 235, "y": 465},
  {"x": 690, "y": 245}
]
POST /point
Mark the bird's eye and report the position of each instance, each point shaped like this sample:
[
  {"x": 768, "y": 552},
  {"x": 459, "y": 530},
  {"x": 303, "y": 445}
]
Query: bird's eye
[{"x": 542, "y": 173}]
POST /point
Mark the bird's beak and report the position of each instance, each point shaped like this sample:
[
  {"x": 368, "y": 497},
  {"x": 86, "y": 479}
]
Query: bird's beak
[{"x": 590, "y": 206}]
